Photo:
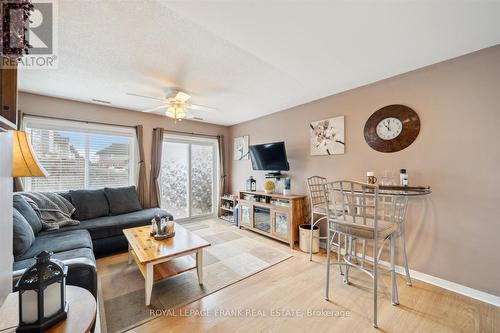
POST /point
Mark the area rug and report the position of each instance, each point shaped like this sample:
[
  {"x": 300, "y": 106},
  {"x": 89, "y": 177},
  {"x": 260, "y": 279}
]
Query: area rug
[{"x": 233, "y": 255}]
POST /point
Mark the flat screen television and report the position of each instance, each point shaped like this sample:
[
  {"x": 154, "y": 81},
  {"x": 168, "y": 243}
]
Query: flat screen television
[{"x": 269, "y": 157}]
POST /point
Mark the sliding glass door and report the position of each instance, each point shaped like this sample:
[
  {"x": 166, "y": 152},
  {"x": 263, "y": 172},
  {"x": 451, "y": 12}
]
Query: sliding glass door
[
  {"x": 188, "y": 176},
  {"x": 175, "y": 178}
]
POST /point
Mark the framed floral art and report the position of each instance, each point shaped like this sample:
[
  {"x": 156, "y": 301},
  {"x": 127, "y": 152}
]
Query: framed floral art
[{"x": 327, "y": 136}]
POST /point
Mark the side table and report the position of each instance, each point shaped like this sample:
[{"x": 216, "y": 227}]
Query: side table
[{"x": 81, "y": 312}]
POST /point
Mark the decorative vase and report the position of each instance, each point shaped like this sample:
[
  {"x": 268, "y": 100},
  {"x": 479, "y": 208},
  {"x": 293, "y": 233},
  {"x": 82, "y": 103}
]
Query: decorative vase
[{"x": 288, "y": 183}]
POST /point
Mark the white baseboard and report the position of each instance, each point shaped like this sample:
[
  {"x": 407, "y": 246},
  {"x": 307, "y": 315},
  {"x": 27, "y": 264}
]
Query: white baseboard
[
  {"x": 452, "y": 286},
  {"x": 442, "y": 283}
]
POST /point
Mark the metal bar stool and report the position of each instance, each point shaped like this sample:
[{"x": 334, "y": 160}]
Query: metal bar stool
[
  {"x": 367, "y": 218},
  {"x": 387, "y": 198},
  {"x": 319, "y": 207}
]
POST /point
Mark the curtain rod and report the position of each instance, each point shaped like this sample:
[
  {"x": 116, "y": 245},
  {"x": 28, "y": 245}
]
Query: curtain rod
[
  {"x": 109, "y": 124},
  {"x": 191, "y": 133},
  {"x": 81, "y": 121}
]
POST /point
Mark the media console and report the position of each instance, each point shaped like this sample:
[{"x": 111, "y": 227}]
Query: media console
[{"x": 274, "y": 215}]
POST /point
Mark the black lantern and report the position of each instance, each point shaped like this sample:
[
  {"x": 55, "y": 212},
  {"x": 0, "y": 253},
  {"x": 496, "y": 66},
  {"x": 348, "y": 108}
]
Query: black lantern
[
  {"x": 42, "y": 294},
  {"x": 251, "y": 184}
]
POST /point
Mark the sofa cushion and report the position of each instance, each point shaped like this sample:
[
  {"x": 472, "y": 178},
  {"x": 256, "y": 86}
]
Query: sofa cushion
[
  {"x": 83, "y": 252},
  {"x": 23, "y": 235},
  {"x": 110, "y": 226},
  {"x": 28, "y": 212},
  {"x": 122, "y": 200},
  {"x": 66, "y": 195},
  {"x": 89, "y": 204},
  {"x": 58, "y": 241}
]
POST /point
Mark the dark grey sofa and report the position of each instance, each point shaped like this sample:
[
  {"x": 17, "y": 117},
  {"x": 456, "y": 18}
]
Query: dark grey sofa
[{"x": 103, "y": 214}]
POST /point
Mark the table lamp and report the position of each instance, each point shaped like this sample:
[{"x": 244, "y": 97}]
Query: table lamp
[{"x": 24, "y": 160}]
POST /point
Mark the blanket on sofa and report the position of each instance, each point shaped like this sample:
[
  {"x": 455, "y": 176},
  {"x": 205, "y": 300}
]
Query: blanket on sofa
[{"x": 54, "y": 211}]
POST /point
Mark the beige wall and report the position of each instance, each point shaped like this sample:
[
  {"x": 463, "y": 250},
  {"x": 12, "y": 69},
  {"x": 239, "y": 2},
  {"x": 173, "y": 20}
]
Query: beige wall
[
  {"x": 453, "y": 234},
  {"x": 62, "y": 108}
]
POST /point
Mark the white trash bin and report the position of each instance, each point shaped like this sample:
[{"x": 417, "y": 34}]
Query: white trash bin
[{"x": 305, "y": 238}]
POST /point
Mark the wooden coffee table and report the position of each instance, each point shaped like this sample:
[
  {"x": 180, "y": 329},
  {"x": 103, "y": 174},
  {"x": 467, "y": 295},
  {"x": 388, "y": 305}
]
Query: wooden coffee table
[{"x": 161, "y": 259}]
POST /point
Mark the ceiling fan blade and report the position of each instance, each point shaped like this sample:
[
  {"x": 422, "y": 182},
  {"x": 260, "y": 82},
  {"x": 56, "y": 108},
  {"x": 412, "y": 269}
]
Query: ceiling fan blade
[
  {"x": 200, "y": 108},
  {"x": 143, "y": 96},
  {"x": 156, "y": 108},
  {"x": 182, "y": 97},
  {"x": 191, "y": 116}
]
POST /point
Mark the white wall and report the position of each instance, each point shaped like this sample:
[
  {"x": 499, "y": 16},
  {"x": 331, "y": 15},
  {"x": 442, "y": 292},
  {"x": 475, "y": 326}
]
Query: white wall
[{"x": 6, "y": 256}]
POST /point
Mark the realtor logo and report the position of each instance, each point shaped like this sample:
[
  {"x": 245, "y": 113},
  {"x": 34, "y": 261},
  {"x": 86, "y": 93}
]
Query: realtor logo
[
  {"x": 40, "y": 32},
  {"x": 41, "y": 29}
]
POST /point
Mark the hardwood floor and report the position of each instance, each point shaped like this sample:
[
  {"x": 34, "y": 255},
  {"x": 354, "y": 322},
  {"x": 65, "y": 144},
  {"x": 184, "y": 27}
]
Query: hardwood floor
[{"x": 278, "y": 300}]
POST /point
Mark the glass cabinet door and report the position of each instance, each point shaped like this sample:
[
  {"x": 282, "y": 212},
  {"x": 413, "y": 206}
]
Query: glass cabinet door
[
  {"x": 245, "y": 215},
  {"x": 281, "y": 224},
  {"x": 262, "y": 218}
]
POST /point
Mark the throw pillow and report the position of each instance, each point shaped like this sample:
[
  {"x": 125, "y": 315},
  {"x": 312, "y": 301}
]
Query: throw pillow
[
  {"x": 89, "y": 204},
  {"x": 23, "y": 234},
  {"x": 122, "y": 200},
  {"x": 28, "y": 212}
]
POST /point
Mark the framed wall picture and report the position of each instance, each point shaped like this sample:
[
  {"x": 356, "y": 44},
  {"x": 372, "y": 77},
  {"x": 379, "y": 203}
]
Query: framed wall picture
[
  {"x": 240, "y": 151},
  {"x": 327, "y": 136}
]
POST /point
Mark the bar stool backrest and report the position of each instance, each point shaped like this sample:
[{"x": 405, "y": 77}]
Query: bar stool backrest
[
  {"x": 316, "y": 191},
  {"x": 362, "y": 203},
  {"x": 357, "y": 200}
]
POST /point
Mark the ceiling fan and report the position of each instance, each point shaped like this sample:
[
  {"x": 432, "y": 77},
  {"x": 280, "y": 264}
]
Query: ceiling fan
[{"x": 177, "y": 106}]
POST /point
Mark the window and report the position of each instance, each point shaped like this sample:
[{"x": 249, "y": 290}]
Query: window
[
  {"x": 80, "y": 155},
  {"x": 188, "y": 176}
]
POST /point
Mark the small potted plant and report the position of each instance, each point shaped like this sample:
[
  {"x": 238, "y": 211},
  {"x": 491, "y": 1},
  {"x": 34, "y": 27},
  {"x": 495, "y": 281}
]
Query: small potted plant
[{"x": 268, "y": 187}]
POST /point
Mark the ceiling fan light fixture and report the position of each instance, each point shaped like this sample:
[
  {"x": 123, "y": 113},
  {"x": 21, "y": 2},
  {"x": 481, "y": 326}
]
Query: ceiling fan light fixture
[
  {"x": 176, "y": 107},
  {"x": 170, "y": 112},
  {"x": 180, "y": 112},
  {"x": 175, "y": 112}
]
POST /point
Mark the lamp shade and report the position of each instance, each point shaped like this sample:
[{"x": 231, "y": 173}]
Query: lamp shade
[{"x": 24, "y": 161}]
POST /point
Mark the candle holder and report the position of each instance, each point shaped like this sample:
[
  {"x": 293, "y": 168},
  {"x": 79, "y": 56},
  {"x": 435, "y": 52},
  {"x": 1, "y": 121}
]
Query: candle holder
[
  {"x": 161, "y": 227},
  {"x": 165, "y": 229},
  {"x": 170, "y": 228}
]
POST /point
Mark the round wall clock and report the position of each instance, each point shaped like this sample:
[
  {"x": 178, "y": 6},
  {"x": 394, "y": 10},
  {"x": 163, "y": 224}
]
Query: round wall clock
[{"x": 392, "y": 128}]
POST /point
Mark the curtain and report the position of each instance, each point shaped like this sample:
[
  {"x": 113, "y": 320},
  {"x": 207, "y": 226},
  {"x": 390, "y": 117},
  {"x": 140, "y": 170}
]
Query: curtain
[
  {"x": 18, "y": 184},
  {"x": 156, "y": 151},
  {"x": 222, "y": 174},
  {"x": 142, "y": 185}
]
